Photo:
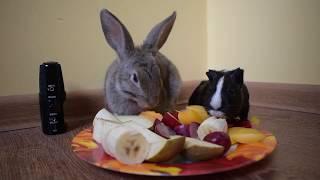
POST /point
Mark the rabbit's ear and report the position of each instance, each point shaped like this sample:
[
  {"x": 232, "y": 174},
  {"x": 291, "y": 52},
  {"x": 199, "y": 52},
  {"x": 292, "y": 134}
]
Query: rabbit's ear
[
  {"x": 159, "y": 34},
  {"x": 116, "y": 34}
]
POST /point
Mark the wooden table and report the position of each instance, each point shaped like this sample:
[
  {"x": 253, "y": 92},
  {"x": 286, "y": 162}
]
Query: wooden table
[{"x": 29, "y": 154}]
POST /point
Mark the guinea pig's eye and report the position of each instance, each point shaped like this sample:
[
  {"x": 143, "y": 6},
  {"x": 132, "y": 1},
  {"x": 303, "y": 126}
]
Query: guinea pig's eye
[{"x": 134, "y": 78}]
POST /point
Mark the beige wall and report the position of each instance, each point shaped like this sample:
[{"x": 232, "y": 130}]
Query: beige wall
[
  {"x": 274, "y": 41},
  {"x": 37, "y": 30}
]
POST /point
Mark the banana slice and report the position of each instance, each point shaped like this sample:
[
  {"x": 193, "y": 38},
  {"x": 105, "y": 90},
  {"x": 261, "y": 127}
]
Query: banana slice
[
  {"x": 211, "y": 125},
  {"x": 126, "y": 145}
]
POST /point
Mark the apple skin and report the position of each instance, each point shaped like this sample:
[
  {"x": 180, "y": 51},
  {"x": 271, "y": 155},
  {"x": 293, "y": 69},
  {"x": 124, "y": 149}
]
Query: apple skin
[
  {"x": 171, "y": 119},
  {"x": 193, "y": 128},
  {"x": 161, "y": 129},
  {"x": 220, "y": 138},
  {"x": 182, "y": 130}
]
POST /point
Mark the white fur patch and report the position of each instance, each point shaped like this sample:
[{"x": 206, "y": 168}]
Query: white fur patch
[
  {"x": 218, "y": 114},
  {"x": 216, "y": 98}
]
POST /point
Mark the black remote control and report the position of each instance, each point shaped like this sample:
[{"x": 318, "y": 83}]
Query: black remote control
[{"x": 51, "y": 98}]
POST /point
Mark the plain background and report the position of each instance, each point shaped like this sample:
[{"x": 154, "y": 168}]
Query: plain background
[{"x": 274, "y": 41}]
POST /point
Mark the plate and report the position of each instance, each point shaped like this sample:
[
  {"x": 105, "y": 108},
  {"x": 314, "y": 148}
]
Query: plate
[{"x": 88, "y": 150}]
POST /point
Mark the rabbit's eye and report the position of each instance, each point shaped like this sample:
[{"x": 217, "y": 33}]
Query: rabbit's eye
[{"x": 134, "y": 78}]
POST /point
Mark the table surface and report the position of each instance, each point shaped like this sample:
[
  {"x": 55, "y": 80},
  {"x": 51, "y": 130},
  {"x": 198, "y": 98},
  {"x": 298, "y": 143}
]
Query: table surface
[{"x": 29, "y": 154}]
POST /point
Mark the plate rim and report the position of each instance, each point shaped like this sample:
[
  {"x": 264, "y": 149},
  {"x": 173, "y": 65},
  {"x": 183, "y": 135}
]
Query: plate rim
[{"x": 246, "y": 163}]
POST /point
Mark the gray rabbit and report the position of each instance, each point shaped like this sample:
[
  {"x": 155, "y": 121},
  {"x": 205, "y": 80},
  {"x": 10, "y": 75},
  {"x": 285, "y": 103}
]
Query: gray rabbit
[{"x": 141, "y": 78}]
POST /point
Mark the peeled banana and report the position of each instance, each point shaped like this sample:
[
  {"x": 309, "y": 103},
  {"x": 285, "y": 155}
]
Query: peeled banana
[
  {"x": 103, "y": 122},
  {"x": 119, "y": 139}
]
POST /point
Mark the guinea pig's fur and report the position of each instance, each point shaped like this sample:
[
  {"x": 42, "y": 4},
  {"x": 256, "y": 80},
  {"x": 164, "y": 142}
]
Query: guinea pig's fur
[{"x": 223, "y": 95}]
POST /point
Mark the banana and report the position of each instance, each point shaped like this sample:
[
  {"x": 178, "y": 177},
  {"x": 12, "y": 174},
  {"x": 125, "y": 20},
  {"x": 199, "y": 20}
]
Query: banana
[
  {"x": 129, "y": 140},
  {"x": 120, "y": 140},
  {"x": 126, "y": 145},
  {"x": 138, "y": 120},
  {"x": 103, "y": 122},
  {"x": 211, "y": 125}
]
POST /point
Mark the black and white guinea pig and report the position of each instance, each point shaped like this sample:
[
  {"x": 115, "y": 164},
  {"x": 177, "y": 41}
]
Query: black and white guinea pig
[{"x": 223, "y": 95}]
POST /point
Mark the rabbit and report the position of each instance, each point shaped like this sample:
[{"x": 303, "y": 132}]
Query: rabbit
[
  {"x": 223, "y": 95},
  {"x": 140, "y": 78}
]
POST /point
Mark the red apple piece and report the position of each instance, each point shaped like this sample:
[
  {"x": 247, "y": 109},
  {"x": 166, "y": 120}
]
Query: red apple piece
[
  {"x": 163, "y": 130},
  {"x": 182, "y": 130},
  {"x": 220, "y": 138},
  {"x": 193, "y": 128},
  {"x": 171, "y": 119}
]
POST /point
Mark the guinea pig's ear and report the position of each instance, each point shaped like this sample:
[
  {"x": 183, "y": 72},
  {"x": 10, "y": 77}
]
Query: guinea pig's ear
[
  {"x": 212, "y": 74},
  {"x": 237, "y": 76}
]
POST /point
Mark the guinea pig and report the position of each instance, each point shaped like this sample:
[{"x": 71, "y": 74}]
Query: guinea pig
[{"x": 223, "y": 95}]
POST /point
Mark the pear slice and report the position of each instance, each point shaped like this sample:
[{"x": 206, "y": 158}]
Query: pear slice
[
  {"x": 161, "y": 149},
  {"x": 197, "y": 150},
  {"x": 165, "y": 150}
]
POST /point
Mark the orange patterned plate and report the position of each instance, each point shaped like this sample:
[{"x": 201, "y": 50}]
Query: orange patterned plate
[{"x": 88, "y": 150}]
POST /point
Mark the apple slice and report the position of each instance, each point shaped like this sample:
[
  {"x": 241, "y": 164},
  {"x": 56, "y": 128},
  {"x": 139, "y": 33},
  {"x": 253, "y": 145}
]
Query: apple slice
[
  {"x": 197, "y": 150},
  {"x": 182, "y": 130},
  {"x": 171, "y": 119},
  {"x": 161, "y": 129},
  {"x": 193, "y": 128},
  {"x": 220, "y": 138},
  {"x": 211, "y": 125}
]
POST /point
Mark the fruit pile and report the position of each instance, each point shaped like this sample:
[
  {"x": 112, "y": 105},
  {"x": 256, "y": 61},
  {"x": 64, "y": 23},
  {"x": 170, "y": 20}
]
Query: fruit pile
[{"x": 153, "y": 137}]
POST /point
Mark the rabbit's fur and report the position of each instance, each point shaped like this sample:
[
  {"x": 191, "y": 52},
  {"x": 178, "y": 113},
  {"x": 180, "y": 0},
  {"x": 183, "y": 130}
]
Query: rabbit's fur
[{"x": 141, "y": 78}]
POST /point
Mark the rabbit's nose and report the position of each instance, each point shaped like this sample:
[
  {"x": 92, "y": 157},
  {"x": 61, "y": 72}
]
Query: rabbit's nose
[
  {"x": 154, "y": 102},
  {"x": 144, "y": 105}
]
